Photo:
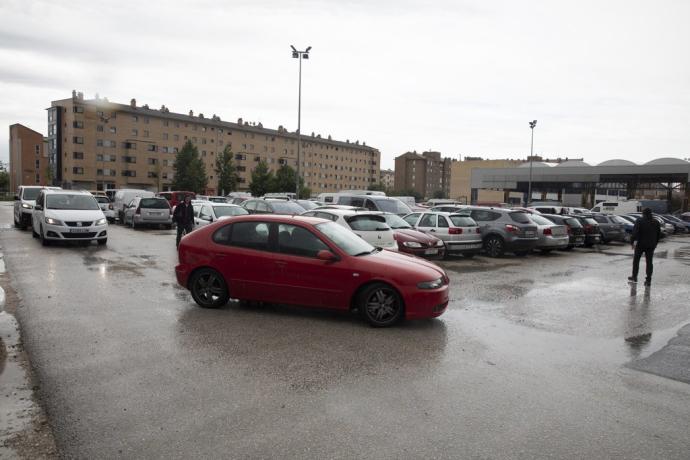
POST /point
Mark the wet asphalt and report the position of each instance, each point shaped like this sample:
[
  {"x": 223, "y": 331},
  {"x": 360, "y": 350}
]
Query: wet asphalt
[{"x": 535, "y": 358}]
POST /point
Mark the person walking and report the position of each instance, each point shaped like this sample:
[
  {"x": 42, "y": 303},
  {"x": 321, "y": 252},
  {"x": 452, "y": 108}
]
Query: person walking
[
  {"x": 645, "y": 236},
  {"x": 184, "y": 218}
]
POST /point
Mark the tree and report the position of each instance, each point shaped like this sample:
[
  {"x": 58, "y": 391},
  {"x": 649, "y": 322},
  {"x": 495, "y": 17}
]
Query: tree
[
  {"x": 378, "y": 187},
  {"x": 190, "y": 172},
  {"x": 226, "y": 171},
  {"x": 262, "y": 180},
  {"x": 439, "y": 194},
  {"x": 284, "y": 180},
  {"x": 4, "y": 180}
]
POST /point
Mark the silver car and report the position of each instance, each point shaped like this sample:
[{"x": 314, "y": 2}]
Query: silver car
[
  {"x": 551, "y": 236},
  {"x": 148, "y": 211},
  {"x": 460, "y": 234},
  {"x": 207, "y": 213}
]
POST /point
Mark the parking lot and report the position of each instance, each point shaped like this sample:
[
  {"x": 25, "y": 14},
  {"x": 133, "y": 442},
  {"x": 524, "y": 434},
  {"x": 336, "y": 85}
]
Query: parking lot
[{"x": 550, "y": 355}]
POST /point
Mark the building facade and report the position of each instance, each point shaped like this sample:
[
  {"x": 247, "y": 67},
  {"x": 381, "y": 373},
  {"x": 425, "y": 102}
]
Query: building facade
[
  {"x": 29, "y": 163},
  {"x": 426, "y": 173},
  {"x": 97, "y": 144},
  {"x": 461, "y": 180},
  {"x": 388, "y": 178}
]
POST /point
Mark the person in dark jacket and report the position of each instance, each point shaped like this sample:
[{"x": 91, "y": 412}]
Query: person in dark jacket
[
  {"x": 645, "y": 236},
  {"x": 184, "y": 218}
]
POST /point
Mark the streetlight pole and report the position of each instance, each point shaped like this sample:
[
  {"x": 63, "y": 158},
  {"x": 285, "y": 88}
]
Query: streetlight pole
[
  {"x": 299, "y": 55},
  {"x": 532, "y": 124}
]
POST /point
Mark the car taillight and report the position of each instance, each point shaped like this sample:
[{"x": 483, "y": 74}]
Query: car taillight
[
  {"x": 479, "y": 230},
  {"x": 512, "y": 229},
  {"x": 588, "y": 228},
  {"x": 570, "y": 229},
  {"x": 547, "y": 231},
  {"x": 110, "y": 206},
  {"x": 454, "y": 231},
  {"x": 138, "y": 211}
]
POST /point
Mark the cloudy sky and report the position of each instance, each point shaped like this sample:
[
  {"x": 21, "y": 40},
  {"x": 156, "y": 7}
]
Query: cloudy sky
[{"x": 605, "y": 79}]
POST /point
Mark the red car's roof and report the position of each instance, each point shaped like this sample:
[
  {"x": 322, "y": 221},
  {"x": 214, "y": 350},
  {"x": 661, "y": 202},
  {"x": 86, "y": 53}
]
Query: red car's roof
[{"x": 279, "y": 218}]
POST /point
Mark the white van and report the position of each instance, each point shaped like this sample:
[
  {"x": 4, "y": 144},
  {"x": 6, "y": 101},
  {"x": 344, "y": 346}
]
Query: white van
[
  {"x": 618, "y": 207},
  {"x": 124, "y": 196}
]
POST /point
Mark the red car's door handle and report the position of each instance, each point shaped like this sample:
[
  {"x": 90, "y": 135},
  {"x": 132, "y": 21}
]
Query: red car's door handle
[
  {"x": 219, "y": 254},
  {"x": 282, "y": 263}
]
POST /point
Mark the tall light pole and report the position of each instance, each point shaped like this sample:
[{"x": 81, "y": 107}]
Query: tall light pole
[
  {"x": 299, "y": 55},
  {"x": 532, "y": 124}
]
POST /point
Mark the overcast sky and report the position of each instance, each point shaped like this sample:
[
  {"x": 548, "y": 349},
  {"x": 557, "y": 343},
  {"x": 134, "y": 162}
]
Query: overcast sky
[{"x": 605, "y": 79}]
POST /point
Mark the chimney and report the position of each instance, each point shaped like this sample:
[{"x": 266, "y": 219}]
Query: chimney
[
  {"x": 201, "y": 115},
  {"x": 80, "y": 95},
  {"x": 133, "y": 103},
  {"x": 239, "y": 121},
  {"x": 191, "y": 113},
  {"x": 74, "y": 94}
]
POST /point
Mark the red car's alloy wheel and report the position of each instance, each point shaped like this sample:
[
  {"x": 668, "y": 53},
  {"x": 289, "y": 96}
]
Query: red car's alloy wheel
[
  {"x": 208, "y": 288},
  {"x": 381, "y": 305}
]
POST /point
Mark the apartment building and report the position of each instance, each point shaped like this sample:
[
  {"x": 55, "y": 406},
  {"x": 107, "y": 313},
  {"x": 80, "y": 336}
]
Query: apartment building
[
  {"x": 388, "y": 178},
  {"x": 426, "y": 173},
  {"x": 28, "y": 157},
  {"x": 97, "y": 144}
]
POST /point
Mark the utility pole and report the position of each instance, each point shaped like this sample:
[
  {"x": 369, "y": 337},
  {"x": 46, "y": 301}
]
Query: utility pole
[
  {"x": 532, "y": 124},
  {"x": 299, "y": 55}
]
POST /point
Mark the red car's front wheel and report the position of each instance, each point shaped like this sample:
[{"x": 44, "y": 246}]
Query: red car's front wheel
[
  {"x": 208, "y": 288},
  {"x": 380, "y": 305}
]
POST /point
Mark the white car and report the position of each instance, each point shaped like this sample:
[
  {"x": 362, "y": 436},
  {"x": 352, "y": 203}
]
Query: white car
[
  {"x": 106, "y": 206},
  {"x": 371, "y": 226},
  {"x": 209, "y": 212},
  {"x": 68, "y": 215},
  {"x": 24, "y": 202}
]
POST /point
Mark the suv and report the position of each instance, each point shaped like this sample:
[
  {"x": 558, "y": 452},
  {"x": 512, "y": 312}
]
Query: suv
[
  {"x": 460, "y": 233},
  {"x": 68, "y": 215},
  {"x": 24, "y": 202},
  {"x": 504, "y": 230},
  {"x": 610, "y": 228},
  {"x": 125, "y": 196},
  {"x": 376, "y": 203},
  {"x": 148, "y": 211}
]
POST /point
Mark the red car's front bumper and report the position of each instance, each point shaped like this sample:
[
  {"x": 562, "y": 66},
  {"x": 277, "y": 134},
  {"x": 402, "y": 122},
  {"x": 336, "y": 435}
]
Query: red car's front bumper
[{"x": 426, "y": 303}]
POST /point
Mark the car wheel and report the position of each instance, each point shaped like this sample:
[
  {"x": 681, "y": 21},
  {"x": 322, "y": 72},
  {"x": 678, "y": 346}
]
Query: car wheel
[
  {"x": 103, "y": 242},
  {"x": 208, "y": 288},
  {"x": 380, "y": 305},
  {"x": 494, "y": 246},
  {"x": 44, "y": 241}
]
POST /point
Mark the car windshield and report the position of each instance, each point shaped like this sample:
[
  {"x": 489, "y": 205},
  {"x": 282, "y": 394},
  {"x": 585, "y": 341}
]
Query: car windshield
[
  {"x": 306, "y": 204},
  {"x": 591, "y": 221},
  {"x": 520, "y": 217},
  {"x": 394, "y": 206},
  {"x": 72, "y": 202},
  {"x": 462, "y": 221},
  {"x": 345, "y": 239},
  {"x": 396, "y": 222},
  {"x": 370, "y": 223},
  {"x": 619, "y": 220},
  {"x": 286, "y": 207},
  {"x": 573, "y": 222},
  {"x": 539, "y": 220},
  {"x": 102, "y": 199},
  {"x": 229, "y": 211},
  {"x": 30, "y": 193},
  {"x": 154, "y": 203}
]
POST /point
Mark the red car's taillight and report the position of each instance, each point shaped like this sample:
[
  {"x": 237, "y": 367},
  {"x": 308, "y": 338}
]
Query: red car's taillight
[
  {"x": 479, "y": 230},
  {"x": 454, "y": 231},
  {"x": 512, "y": 229},
  {"x": 547, "y": 231}
]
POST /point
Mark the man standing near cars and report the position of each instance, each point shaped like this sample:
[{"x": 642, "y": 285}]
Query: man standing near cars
[
  {"x": 184, "y": 218},
  {"x": 646, "y": 233}
]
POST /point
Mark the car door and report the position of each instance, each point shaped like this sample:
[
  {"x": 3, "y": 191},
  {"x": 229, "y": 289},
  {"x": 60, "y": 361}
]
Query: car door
[
  {"x": 300, "y": 277},
  {"x": 205, "y": 215},
  {"x": 129, "y": 209},
  {"x": 428, "y": 223},
  {"x": 37, "y": 215},
  {"x": 412, "y": 219},
  {"x": 244, "y": 255}
]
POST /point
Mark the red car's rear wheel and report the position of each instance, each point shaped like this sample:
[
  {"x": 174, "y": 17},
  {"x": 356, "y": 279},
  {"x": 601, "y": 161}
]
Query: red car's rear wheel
[{"x": 208, "y": 288}]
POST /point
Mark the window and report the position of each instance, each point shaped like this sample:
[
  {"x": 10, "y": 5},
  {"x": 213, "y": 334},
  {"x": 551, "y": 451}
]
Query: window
[
  {"x": 176, "y": 137},
  {"x": 251, "y": 235},
  {"x": 78, "y": 109},
  {"x": 128, "y": 159},
  {"x": 78, "y": 155},
  {"x": 113, "y": 129},
  {"x": 484, "y": 216},
  {"x": 165, "y": 123},
  {"x": 99, "y": 128},
  {"x": 135, "y": 132},
  {"x": 38, "y": 178},
  {"x": 239, "y": 156},
  {"x": 151, "y": 147},
  {"x": 520, "y": 217},
  {"x": 146, "y": 133},
  {"x": 203, "y": 140},
  {"x": 146, "y": 120},
  {"x": 37, "y": 164},
  {"x": 152, "y": 175},
  {"x": 298, "y": 241},
  {"x": 429, "y": 220},
  {"x": 129, "y": 173},
  {"x": 78, "y": 124},
  {"x": 152, "y": 161},
  {"x": 240, "y": 168},
  {"x": 78, "y": 140},
  {"x": 165, "y": 136},
  {"x": 135, "y": 118},
  {"x": 129, "y": 145},
  {"x": 78, "y": 170}
]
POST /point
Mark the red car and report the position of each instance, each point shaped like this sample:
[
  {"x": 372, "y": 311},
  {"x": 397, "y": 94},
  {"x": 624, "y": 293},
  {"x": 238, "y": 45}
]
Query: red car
[
  {"x": 310, "y": 262},
  {"x": 413, "y": 241}
]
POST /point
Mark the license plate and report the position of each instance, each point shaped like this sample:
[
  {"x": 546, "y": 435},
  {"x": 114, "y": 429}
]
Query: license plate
[
  {"x": 78, "y": 230},
  {"x": 580, "y": 240},
  {"x": 529, "y": 234},
  {"x": 155, "y": 213},
  {"x": 473, "y": 246},
  {"x": 431, "y": 251}
]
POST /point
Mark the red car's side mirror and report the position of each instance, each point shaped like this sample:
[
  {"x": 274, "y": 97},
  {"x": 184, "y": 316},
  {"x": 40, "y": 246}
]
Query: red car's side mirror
[{"x": 328, "y": 256}]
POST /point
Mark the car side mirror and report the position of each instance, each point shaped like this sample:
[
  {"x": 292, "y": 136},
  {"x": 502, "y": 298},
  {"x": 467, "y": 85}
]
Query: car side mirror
[
  {"x": 16, "y": 198},
  {"x": 327, "y": 256},
  {"x": 38, "y": 207}
]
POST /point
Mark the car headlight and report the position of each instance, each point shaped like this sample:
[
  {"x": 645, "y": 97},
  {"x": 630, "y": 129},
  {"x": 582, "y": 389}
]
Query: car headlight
[
  {"x": 51, "y": 221},
  {"x": 439, "y": 243},
  {"x": 412, "y": 244},
  {"x": 435, "y": 284},
  {"x": 101, "y": 222},
  {"x": 26, "y": 206}
]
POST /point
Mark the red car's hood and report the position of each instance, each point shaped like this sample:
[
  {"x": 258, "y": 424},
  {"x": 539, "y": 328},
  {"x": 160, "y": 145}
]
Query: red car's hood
[
  {"x": 406, "y": 234},
  {"x": 407, "y": 266}
]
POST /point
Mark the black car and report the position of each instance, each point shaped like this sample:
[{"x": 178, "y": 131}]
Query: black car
[
  {"x": 272, "y": 206},
  {"x": 610, "y": 228},
  {"x": 591, "y": 229},
  {"x": 576, "y": 231}
]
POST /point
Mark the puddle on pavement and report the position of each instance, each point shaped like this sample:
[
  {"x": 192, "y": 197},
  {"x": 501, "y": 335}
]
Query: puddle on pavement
[
  {"x": 682, "y": 254},
  {"x": 134, "y": 265}
]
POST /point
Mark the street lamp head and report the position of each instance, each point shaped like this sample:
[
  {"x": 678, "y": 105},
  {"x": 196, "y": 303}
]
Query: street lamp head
[
  {"x": 295, "y": 54},
  {"x": 532, "y": 124},
  {"x": 294, "y": 50},
  {"x": 308, "y": 48},
  {"x": 305, "y": 56}
]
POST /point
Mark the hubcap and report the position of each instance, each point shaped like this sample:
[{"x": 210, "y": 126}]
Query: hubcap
[
  {"x": 209, "y": 288},
  {"x": 382, "y": 305}
]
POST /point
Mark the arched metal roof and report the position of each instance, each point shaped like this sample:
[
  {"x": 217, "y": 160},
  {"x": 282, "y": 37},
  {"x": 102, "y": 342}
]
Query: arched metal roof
[
  {"x": 535, "y": 164},
  {"x": 667, "y": 161},
  {"x": 568, "y": 163},
  {"x": 617, "y": 163}
]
